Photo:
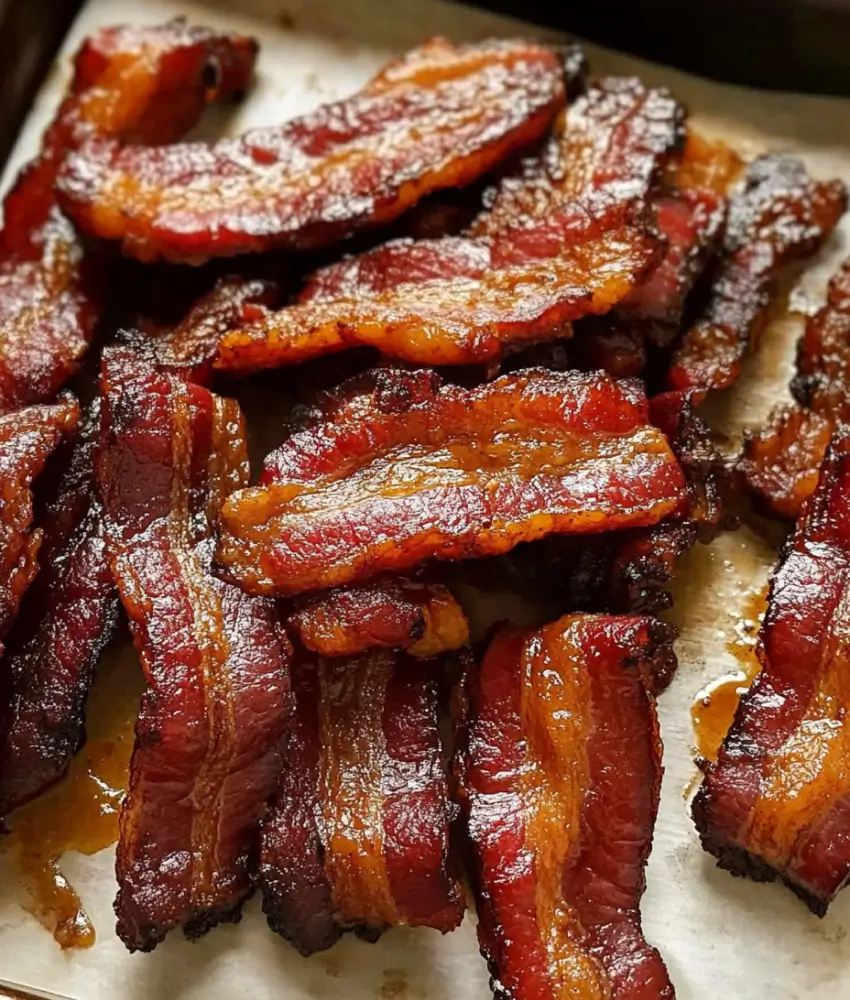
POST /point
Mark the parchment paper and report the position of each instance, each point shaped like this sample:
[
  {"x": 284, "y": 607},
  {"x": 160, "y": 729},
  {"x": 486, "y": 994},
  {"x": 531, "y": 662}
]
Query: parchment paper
[{"x": 721, "y": 937}]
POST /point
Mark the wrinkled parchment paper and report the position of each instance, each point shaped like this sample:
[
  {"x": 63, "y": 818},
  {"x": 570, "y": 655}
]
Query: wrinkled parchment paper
[{"x": 721, "y": 937}]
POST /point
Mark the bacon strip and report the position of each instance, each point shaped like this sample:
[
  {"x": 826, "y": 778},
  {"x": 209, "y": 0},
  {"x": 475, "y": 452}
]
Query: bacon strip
[
  {"x": 776, "y": 801},
  {"x": 392, "y": 612},
  {"x": 559, "y": 242},
  {"x": 779, "y": 215},
  {"x": 413, "y": 469},
  {"x": 26, "y": 440},
  {"x": 440, "y": 117},
  {"x": 65, "y": 621},
  {"x": 209, "y": 735},
  {"x": 560, "y": 784},
  {"x": 147, "y": 85},
  {"x": 365, "y": 743},
  {"x": 780, "y": 463}
]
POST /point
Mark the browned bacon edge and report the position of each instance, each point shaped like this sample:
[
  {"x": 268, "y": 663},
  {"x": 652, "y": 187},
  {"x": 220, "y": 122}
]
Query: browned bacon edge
[
  {"x": 210, "y": 730},
  {"x": 136, "y": 84},
  {"x": 414, "y": 612},
  {"x": 780, "y": 462},
  {"x": 27, "y": 439},
  {"x": 775, "y": 801},
  {"x": 442, "y": 116},
  {"x": 365, "y": 742},
  {"x": 566, "y": 453},
  {"x": 66, "y": 619},
  {"x": 559, "y": 784},
  {"x": 780, "y": 214}
]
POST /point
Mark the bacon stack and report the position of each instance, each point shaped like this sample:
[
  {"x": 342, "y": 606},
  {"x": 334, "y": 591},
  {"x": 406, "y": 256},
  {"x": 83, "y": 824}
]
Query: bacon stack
[{"x": 315, "y": 724}]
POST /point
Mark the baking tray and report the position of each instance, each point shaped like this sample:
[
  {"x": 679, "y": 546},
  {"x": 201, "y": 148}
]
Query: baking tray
[{"x": 721, "y": 937}]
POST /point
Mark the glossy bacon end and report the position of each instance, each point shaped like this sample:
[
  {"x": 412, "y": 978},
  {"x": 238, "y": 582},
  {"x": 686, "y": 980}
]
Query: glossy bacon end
[
  {"x": 399, "y": 612},
  {"x": 210, "y": 731},
  {"x": 65, "y": 620},
  {"x": 775, "y": 802},
  {"x": 410, "y": 469},
  {"x": 27, "y": 439},
  {"x": 440, "y": 117},
  {"x": 365, "y": 743},
  {"x": 779, "y": 215},
  {"x": 560, "y": 784},
  {"x": 780, "y": 463}
]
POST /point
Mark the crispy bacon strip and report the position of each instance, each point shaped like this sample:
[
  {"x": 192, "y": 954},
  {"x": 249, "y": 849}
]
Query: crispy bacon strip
[
  {"x": 365, "y": 743},
  {"x": 559, "y": 242},
  {"x": 777, "y": 799},
  {"x": 780, "y": 463},
  {"x": 26, "y": 440},
  {"x": 560, "y": 784},
  {"x": 779, "y": 215},
  {"x": 413, "y": 469},
  {"x": 401, "y": 612},
  {"x": 440, "y": 117},
  {"x": 209, "y": 735},
  {"x": 136, "y": 84},
  {"x": 66, "y": 619}
]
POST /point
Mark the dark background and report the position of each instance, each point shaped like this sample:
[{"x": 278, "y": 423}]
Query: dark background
[{"x": 801, "y": 45}]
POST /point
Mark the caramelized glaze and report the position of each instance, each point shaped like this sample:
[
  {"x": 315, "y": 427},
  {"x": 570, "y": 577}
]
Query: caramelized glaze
[
  {"x": 714, "y": 708},
  {"x": 81, "y": 812}
]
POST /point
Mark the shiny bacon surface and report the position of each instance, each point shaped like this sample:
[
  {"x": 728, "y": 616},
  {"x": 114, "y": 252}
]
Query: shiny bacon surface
[
  {"x": 561, "y": 239},
  {"x": 65, "y": 621},
  {"x": 411, "y": 469},
  {"x": 136, "y": 85},
  {"x": 780, "y": 214},
  {"x": 439, "y": 117},
  {"x": 211, "y": 725},
  {"x": 403, "y": 612},
  {"x": 780, "y": 462},
  {"x": 560, "y": 783},
  {"x": 27, "y": 439},
  {"x": 365, "y": 744},
  {"x": 775, "y": 802}
]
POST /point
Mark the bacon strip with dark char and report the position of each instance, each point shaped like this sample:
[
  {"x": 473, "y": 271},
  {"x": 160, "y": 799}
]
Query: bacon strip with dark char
[
  {"x": 559, "y": 785},
  {"x": 411, "y": 469},
  {"x": 439, "y": 117},
  {"x": 365, "y": 743},
  {"x": 27, "y": 439},
  {"x": 779, "y": 215},
  {"x": 391, "y": 612},
  {"x": 210, "y": 731},
  {"x": 66, "y": 619},
  {"x": 780, "y": 463},
  {"x": 776, "y": 801},
  {"x": 562, "y": 239},
  {"x": 137, "y": 85}
]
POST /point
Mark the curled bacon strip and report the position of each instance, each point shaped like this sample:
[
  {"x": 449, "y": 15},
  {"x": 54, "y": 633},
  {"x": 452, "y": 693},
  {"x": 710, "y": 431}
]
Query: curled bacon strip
[
  {"x": 209, "y": 735},
  {"x": 26, "y": 440},
  {"x": 412, "y": 469},
  {"x": 365, "y": 743},
  {"x": 779, "y": 215},
  {"x": 402, "y": 612},
  {"x": 148, "y": 85},
  {"x": 558, "y": 242},
  {"x": 560, "y": 784},
  {"x": 440, "y": 117},
  {"x": 780, "y": 463},
  {"x": 66, "y": 619},
  {"x": 777, "y": 800}
]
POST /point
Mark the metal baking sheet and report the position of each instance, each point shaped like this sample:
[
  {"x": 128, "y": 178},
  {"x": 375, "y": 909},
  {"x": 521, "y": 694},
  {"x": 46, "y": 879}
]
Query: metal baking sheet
[{"x": 720, "y": 937}]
